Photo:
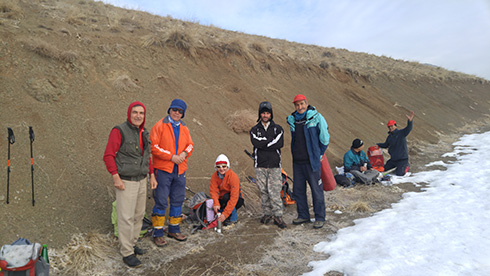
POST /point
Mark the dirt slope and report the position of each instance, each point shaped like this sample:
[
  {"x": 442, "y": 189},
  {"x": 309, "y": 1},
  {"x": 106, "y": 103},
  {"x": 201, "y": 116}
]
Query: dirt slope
[{"x": 69, "y": 69}]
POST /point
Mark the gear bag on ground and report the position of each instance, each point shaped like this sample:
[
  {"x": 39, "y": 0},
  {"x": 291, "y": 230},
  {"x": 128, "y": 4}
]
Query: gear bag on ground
[{"x": 23, "y": 258}]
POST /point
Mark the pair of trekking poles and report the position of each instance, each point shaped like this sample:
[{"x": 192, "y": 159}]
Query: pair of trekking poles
[{"x": 11, "y": 141}]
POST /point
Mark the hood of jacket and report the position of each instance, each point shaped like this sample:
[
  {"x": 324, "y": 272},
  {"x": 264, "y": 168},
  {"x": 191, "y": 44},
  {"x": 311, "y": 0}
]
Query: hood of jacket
[{"x": 133, "y": 104}]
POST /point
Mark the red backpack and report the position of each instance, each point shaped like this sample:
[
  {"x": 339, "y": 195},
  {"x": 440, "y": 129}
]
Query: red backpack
[
  {"x": 22, "y": 259},
  {"x": 375, "y": 155}
]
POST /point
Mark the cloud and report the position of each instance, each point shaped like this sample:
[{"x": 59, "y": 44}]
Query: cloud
[{"x": 451, "y": 34}]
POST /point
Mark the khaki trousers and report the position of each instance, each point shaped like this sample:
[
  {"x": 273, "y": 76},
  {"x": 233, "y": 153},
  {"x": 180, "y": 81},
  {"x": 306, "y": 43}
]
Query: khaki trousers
[{"x": 130, "y": 207}]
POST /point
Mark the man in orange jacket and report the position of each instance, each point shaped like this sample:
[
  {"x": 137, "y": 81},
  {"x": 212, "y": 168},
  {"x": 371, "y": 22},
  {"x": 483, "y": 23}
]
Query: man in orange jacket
[
  {"x": 171, "y": 146},
  {"x": 225, "y": 191}
]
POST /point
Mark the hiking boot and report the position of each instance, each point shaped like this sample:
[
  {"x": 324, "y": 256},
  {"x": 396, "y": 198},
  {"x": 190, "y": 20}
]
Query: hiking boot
[
  {"x": 132, "y": 261},
  {"x": 178, "y": 236},
  {"x": 139, "y": 251},
  {"x": 229, "y": 222},
  {"x": 279, "y": 222},
  {"x": 265, "y": 219},
  {"x": 159, "y": 241},
  {"x": 318, "y": 224},
  {"x": 298, "y": 221}
]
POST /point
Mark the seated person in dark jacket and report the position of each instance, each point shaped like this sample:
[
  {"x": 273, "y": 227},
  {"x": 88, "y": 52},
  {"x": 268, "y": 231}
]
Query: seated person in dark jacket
[
  {"x": 396, "y": 142},
  {"x": 357, "y": 163}
]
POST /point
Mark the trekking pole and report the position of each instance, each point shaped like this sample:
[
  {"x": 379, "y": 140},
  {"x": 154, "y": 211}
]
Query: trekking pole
[
  {"x": 149, "y": 186},
  {"x": 31, "y": 137},
  {"x": 249, "y": 154},
  {"x": 188, "y": 189},
  {"x": 389, "y": 171},
  {"x": 11, "y": 140}
]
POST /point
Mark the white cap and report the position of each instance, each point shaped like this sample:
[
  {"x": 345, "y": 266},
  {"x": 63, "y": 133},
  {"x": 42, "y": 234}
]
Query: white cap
[{"x": 222, "y": 159}]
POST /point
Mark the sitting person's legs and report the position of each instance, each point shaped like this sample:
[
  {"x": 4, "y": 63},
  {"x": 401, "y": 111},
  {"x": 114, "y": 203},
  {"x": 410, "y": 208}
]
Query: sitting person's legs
[
  {"x": 390, "y": 164},
  {"x": 367, "y": 177},
  {"x": 400, "y": 165},
  {"x": 224, "y": 201}
]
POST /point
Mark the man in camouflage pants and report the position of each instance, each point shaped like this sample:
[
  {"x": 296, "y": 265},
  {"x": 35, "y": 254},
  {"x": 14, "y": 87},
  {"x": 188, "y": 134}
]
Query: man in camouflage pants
[{"x": 268, "y": 139}]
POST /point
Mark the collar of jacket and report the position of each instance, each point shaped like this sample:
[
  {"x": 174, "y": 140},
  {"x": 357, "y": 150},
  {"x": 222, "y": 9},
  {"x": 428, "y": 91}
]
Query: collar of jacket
[
  {"x": 310, "y": 112},
  {"x": 133, "y": 126},
  {"x": 270, "y": 125},
  {"x": 393, "y": 132},
  {"x": 355, "y": 152},
  {"x": 166, "y": 120}
]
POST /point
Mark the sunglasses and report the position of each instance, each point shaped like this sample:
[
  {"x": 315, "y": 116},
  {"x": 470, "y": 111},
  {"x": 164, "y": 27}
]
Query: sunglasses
[
  {"x": 178, "y": 110},
  {"x": 221, "y": 166}
]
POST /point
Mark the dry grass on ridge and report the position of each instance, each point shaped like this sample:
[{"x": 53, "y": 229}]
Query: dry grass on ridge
[
  {"x": 10, "y": 10},
  {"x": 191, "y": 37},
  {"x": 241, "y": 121},
  {"x": 125, "y": 83},
  {"x": 47, "y": 50}
]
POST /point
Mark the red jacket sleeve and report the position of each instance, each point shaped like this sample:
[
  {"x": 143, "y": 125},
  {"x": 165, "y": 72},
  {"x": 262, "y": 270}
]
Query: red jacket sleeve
[
  {"x": 111, "y": 149},
  {"x": 151, "y": 171}
]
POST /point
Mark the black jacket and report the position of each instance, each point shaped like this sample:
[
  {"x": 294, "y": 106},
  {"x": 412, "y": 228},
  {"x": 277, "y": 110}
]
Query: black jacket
[
  {"x": 396, "y": 142},
  {"x": 267, "y": 145}
]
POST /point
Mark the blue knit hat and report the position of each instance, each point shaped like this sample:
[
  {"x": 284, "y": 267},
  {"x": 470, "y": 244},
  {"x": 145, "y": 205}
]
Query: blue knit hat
[{"x": 178, "y": 103}]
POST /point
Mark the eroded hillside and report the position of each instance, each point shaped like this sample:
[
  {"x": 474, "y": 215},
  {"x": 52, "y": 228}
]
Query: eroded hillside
[{"x": 70, "y": 68}]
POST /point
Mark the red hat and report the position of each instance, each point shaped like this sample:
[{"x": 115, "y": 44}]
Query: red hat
[
  {"x": 299, "y": 97},
  {"x": 391, "y": 123}
]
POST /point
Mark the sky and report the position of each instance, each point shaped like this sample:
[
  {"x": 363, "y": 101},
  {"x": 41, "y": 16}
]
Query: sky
[
  {"x": 453, "y": 34},
  {"x": 441, "y": 231}
]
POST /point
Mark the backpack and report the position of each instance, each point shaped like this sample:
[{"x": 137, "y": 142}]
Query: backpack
[
  {"x": 375, "y": 155},
  {"x": 201, "y": 212},
  {"x": 345, "y": 180},
  {"x": 147, "y": 224},
  {"x": 342, "y": 180},
  {"x": 22, "y": 258},
  {"x": 286, "y": 194}
]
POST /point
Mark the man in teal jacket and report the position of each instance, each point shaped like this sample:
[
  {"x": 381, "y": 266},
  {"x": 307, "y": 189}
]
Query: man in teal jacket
[
  {"x": 309, "y": 140},
  {"x": 357, "y": 163}
]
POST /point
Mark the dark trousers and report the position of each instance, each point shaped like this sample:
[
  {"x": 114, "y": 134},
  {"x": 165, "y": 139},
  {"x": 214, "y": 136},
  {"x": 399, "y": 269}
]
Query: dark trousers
[
  {"x": 170, "y": 189},
  {"x": 303, "y": 173},
  {"x": 226, "y": 197},
  {"x": 400, "y": 165},
  {"x": 170, "y": 186}
]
